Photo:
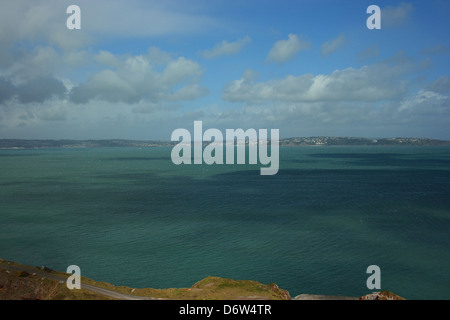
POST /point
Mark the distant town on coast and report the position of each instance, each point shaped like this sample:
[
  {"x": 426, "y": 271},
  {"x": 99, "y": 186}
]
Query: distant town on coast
[{"x": 298, "y": 141}]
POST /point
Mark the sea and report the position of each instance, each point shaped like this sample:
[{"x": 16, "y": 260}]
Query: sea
[{"x": 131, "y": 217}]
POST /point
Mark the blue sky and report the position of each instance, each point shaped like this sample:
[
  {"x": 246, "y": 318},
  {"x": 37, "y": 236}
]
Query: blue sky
[{"x": 141, "y": 69}]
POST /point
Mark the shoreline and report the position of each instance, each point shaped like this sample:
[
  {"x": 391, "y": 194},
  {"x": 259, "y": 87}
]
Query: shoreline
[{"x": 20, "y": 282}]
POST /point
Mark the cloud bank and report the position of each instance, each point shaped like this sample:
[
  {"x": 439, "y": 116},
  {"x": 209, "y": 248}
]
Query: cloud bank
[{"x": 369, "y": 83}]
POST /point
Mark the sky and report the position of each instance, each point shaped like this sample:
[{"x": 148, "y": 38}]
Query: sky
[{"x": 141, "y": 69}]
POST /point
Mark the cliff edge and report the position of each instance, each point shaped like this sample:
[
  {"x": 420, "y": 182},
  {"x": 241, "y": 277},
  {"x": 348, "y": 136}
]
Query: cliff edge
[{"x": 20, "y": 282}]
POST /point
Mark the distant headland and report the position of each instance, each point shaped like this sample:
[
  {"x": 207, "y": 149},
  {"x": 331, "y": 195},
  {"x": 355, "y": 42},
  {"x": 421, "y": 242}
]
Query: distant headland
[{"x": 297, "y": 141}]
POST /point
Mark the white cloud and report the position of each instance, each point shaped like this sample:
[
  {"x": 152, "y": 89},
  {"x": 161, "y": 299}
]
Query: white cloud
[
  {"x": 284, "y": 50},
  {"x": 157, "y": 56},
  {"x": 42, "y": 22},
  {"x": 106, "y": 85},
  {"x": 179, "y": 70},
  {"x": 333, "y": 45},
  {"x": 369, "y": 83},
  {"x": 108, "y": 59},
  {"x": 189, "y": 92},
  {"x": 134, "y": 79},
  {"x": 226, "y": 48},
  {"x": 425, "y": 103},
  {"x": 153, "y": 108}
]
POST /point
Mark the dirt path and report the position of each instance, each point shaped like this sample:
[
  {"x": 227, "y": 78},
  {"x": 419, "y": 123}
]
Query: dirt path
[{"x": 106, "y": 292}]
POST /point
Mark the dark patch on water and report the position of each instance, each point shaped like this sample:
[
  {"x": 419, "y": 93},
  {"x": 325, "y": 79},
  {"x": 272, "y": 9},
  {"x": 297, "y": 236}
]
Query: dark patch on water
[
  {"x": 139, "y": 159},
  {"x": 5, "y": 155},
  {"x": 385, "y": 159}
]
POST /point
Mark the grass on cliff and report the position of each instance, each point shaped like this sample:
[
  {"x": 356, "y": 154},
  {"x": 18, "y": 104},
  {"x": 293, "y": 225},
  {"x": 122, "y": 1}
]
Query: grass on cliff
[
  {"x": 22, "y": 285},
  {"x": 216, "y": 288},
  {"x": 30, "y": 284}
]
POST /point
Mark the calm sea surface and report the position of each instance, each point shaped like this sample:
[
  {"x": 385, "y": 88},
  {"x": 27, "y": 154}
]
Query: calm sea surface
[{"x": 131, "y": 217}]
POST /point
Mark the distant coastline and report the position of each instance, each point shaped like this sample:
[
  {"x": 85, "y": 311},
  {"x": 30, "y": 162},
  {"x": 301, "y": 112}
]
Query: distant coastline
[{"x": 13, "y": 144}]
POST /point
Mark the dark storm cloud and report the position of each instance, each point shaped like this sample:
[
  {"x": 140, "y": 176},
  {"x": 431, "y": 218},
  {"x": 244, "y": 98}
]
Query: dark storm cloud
[
  {"x": 40, "y": 89},
  {"x": 7, "y": 90},
  {"x": 35, "y": 90}
]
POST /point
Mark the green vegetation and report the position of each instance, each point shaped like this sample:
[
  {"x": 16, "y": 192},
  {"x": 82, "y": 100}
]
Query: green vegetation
[
  {"x": 18, "y": 282},
  {"x": 211, "y": 288}
]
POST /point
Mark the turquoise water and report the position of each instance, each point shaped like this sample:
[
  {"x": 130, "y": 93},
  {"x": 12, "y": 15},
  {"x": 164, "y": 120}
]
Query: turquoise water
[{"x": 130, "y": 217}]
